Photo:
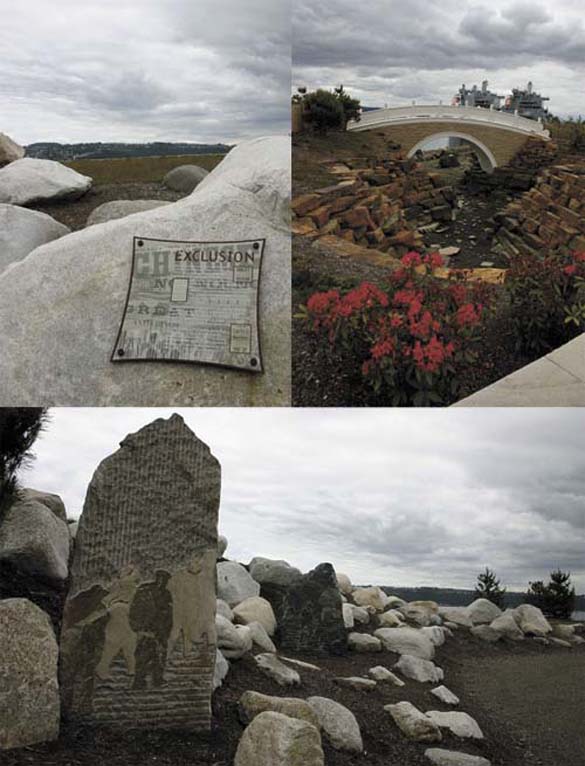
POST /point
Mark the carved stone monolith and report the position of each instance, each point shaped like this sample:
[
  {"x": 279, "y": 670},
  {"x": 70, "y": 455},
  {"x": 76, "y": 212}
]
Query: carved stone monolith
[{"x": 138, "y": 643}]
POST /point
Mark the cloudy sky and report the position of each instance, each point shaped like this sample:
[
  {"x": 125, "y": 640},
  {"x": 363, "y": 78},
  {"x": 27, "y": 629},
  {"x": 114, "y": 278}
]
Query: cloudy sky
[
  {"x": 393, "y": 52},
  {"x": 388, "y": 496},
  {"x": 143, "y": 70}
]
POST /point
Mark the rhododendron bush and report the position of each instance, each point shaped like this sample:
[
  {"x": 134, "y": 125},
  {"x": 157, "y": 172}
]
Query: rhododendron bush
[
  {"x": 413, "y": 339},
  {"x": 547, "y": 299}
]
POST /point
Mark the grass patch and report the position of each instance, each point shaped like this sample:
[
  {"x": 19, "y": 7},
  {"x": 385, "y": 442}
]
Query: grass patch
[{"x": 140, "y": 169}]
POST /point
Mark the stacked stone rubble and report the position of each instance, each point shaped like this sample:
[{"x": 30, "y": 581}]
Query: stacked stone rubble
[
  {"x": 550, "y": 217},
  {"x": 382, "y": 206}
]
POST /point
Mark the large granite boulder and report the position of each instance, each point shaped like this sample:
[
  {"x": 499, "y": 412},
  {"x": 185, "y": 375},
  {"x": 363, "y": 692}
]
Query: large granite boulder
[
  {"x": 29, "y": 180},
  {"x": 482, "y": 611},
  {"x": 532, "y": 621},
  {"x": 120, "y": 208},
  {"x": 309, "y": 612},
  {"x": 234, "y": 583},
  {"x": 459, "y": 615},
  {"x": 29, "y": 692},
  {"x": 344, "y": 583},
  {"x": 274, "y": 739},
  {"x": 370, "y": 596},
  {"x": 406, "y": 641},
  {"x": 10, "y": 151},
  {"x": 256, "y": 609},
  {"x": 185, "y": 178},
  {"x": 232, "y": 640},
  {"x": 22, "y": 231},
  {"x": 338, "y": 723},
  {"x": 423, "y": 671},
  {"x": 138, "y": 642},
  {"x": 60, "y": 310},
  {"x": 35, "y": 540},
  {"x": 423, "y": 613},
  {"x": 507, "y": 626},
  {"x": 52, "y": 501}
]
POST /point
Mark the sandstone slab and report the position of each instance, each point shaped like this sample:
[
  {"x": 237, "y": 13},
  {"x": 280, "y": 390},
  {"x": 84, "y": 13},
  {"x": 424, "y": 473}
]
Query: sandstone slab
[
  {"x": 29, "y": 691},
  {"x": 138, "y": 643}
]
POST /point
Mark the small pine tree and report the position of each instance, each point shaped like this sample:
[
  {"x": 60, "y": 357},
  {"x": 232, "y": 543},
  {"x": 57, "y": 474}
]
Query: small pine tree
[
  {"x": 19, "y": 428},
  {"x": 557, "y": 598},
  {"x": 488, "y": 586},
  {"x": 351, "y": 106}
]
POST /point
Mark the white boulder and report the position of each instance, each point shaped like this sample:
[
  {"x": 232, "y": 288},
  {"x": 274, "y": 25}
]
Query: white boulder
[
  {"x": 406, "y": 641},
  {"x": 272, "y": 667},
  {"x": 253, "y": 703},
  {"x": 483, "y": 611},
  {"x": 234, "y": 583},
  {"x": 459, "y": 615},
  {"x": 391, "y": 619},
  {"x": 221, "y": 670},
  {"x": 380, "y": 674},
  {"x": 338, "y": 723},
  {"x": 344, "y": 583},
  {"x": 224, "y": 610},
  {"x": 29, "y": 180},
  {"x": 532, "y": 621},
  {"x": 348, "y": 618},
  {"x": 260, "y": 637},
  {"x": 420, "y": 612},
  {"x": 275, "y": 571},
  {"x": 74, "y": 290},
  {"x": 256, "y": 609},
  {"x": 232, "y": 640},
  {"x": 507, "y": 626},
  {"x": 371, "y": 596},
  {"x": 10, "y": 151},
  {"x": 436, "y": 634},
  {"x": 22, "y": 231},
  {"x": 460, "y": 724},
  {"x": 440, "y": 757},
  {"x": 445, "y": 695},
  {"x": 423, "y": 671},
  {"x": 414, "y": 724},
  {"x": 274, "y": 739},
  {"x": 363, "y": 642},
  {"x": 360, "y": 614}
]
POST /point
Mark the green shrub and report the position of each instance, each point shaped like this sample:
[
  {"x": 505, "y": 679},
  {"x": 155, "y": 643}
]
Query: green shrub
[{"x": 323, "y": 111}]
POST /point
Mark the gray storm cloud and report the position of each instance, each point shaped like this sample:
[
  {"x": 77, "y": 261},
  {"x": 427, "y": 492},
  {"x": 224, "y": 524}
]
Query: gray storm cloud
[
  {"x": 393, "y": 52},
  {"x": 140, "y": 70},
  {"x": 392, "y": 496}
]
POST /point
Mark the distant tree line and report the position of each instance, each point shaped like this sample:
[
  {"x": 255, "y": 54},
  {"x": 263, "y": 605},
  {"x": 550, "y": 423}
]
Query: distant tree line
[{"x": 98, "y": 150}]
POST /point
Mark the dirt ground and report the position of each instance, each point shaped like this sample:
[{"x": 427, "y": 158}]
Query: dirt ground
[{"x": 529, "y": 700}]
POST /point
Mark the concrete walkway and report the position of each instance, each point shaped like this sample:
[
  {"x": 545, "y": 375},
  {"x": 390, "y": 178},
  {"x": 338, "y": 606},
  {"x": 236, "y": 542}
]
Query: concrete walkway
[{"x": 555, "y": 380}]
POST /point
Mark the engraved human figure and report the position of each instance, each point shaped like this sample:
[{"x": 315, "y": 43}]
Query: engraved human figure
[
  {"x": 119, "y": 636},
  {"x": 151, "y": 618},
  {"x": 192, "y": 607}
]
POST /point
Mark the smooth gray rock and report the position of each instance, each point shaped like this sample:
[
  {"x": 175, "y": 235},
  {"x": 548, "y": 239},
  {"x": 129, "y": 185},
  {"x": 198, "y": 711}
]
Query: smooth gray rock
[
  {"x": 253, "y": 703},
  {"x": 460, "y": 724},
  {"x": 420, "y": 612},
  {"x": 486, "y": 633},
  {"x": 338, "y": 723},
  {"x": 53, "y": 502},
  {"x": 185, "y": 178},
  {"x": 382, "y": 675},
  {"x": 363, "y": 642},
  {"x": 507, "y": 627},
  {"x": 234, "y": 583},
  {"x": 360, "y": 614},
  {"x": 440, "y": 757},
  {"x": 73, "y": 291},
  {"x": 370, "y": 596},
  {"x": 35, "y": 540},
  {"x": 435, "y": 634},
  {"x": 445, "y": 695},
  {"x": 274, "y": 739},
  {"x": 414, "y": 724},
  {"x": 272, "y": 667},
  {"x": 10, "y": 151},
  {"x": 29, "y": 180},
  {"x": 531, "y": 620},
  {"x": 29, "y": 691},
  {"x": 423, "y": 671},
  {"x": 260, "y": 637},
  {"x": 120, "y": 208},
  {"x": 406, "y": 640},
  {"x": 275, "y": 571},
  {"x": 22, "y": 231},
  {"x": 459, "y": 615},
  {"x": 223, "y": 609},
  {"x": 391, "y": 619}
]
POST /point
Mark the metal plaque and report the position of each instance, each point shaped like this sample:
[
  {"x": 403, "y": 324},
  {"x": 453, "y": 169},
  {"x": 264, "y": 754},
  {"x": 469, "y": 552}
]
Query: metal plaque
[{"x": 193, "y": 302}]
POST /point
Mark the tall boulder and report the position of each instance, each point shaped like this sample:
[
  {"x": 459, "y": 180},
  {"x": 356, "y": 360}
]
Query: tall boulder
[
  {"x": 22, "y": 231},
  {"x": 61, "y": 309},
  {"x": 308, "y": 612},
  {"x": 30, "y": 180},
  {"x": 29, "y": 691},
  {"x": 274, "y": 739},
  {"x": 138, "y": 643},
  {"x": 185, "y": 178}
]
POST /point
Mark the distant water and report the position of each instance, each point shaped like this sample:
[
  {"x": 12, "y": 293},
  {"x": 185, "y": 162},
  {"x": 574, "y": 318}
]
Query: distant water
[{"x": 578, "y": 616}]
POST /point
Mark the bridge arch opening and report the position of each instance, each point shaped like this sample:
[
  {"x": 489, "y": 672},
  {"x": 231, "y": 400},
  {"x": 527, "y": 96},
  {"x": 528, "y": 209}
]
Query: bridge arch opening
[{"x": 485, "y": 156}]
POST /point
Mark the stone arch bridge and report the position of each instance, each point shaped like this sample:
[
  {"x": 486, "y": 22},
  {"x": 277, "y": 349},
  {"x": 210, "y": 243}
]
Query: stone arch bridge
[{"x": 494, "y": 136}]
